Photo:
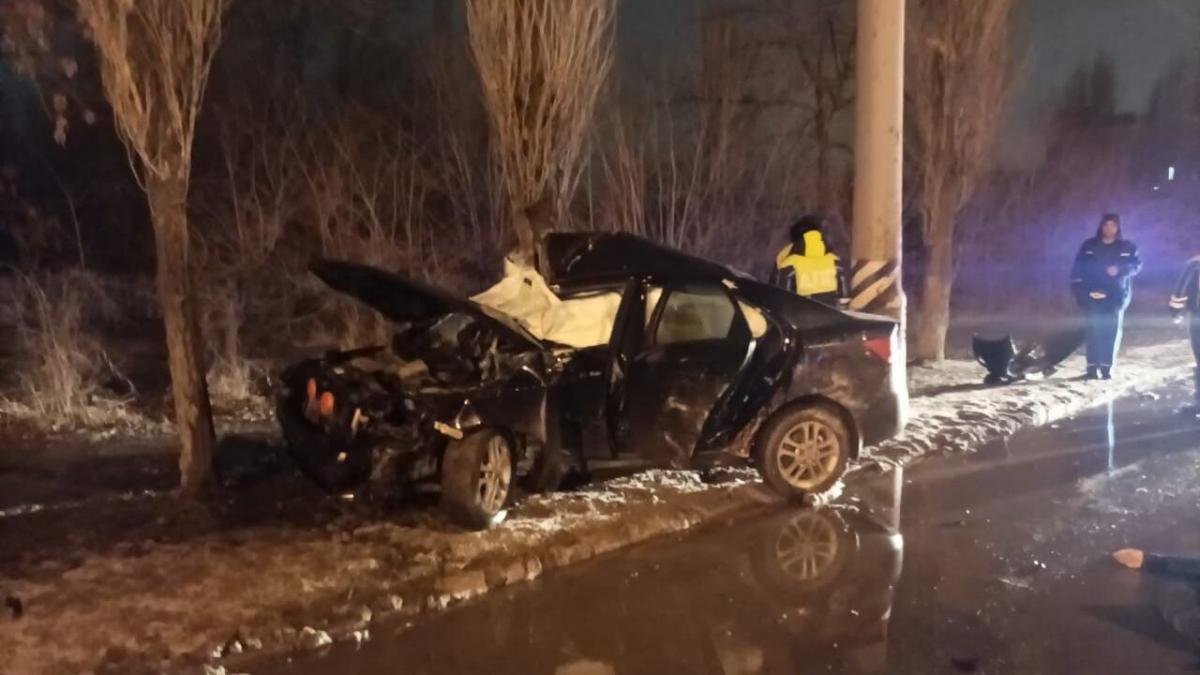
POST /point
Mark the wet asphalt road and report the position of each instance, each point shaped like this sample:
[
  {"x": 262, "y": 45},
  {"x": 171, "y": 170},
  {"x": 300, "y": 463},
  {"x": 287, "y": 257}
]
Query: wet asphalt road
[{"x": 989, "y": 563}]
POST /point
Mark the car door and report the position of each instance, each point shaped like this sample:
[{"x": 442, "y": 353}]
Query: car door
[{"x": 693, "y": 346}]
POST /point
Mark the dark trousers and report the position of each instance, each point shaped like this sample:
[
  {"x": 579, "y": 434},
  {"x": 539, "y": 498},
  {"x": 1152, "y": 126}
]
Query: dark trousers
[
  {"x": 1194, "y": 331},
  {"x": 1103, "y": 326}
]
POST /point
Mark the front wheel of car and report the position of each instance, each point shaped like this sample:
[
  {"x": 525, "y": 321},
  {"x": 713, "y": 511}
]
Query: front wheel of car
[
  {"x": 803, "y": 450},
  {"x": 477, "y": 477}
]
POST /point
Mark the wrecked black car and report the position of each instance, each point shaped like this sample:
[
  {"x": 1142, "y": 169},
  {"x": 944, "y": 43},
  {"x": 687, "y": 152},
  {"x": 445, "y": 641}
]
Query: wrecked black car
[{"x": 623, "y": 353}]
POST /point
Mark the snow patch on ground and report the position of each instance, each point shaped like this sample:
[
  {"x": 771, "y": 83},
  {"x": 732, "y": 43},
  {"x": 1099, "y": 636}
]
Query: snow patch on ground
[
  {"x": 953, "y": 412},
  {"x": 103, "y": 419}
]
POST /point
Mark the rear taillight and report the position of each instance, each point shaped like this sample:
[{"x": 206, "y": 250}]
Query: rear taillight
[{"x": 880, "y": 348}]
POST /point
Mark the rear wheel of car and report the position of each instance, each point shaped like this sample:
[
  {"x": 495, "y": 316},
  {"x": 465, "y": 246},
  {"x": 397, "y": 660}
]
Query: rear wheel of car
[
  {"x": 477, "y": 477},
  {"x": 803, "y": 450}
]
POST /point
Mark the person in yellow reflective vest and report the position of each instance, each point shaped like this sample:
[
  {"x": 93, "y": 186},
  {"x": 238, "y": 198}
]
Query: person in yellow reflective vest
[{"x": 807, "y": 267}]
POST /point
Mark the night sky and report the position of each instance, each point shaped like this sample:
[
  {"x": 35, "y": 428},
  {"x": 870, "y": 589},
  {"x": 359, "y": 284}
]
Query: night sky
[
  {"x": 1057, "y": 36},
  {"x": 1143, "y": 37}
]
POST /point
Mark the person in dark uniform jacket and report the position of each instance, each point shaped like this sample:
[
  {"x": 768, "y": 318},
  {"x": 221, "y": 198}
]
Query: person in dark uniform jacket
[
  {"x": 1186, "y": 300},
  {"x": 1102, "y": 282}
]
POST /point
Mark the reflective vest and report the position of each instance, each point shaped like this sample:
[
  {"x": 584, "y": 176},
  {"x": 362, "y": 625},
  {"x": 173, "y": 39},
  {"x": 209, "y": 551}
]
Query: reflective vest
[{"x": 815, "y": 271}]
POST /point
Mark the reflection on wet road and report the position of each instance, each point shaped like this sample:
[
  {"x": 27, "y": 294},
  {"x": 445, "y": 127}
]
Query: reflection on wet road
[
  {"x": 803, "y": 586},
  {"x": 1111, "y": 437},
  {"x": 1003, "y": 573}
]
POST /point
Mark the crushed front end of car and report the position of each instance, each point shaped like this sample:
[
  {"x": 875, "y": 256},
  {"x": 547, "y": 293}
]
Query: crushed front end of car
[
  {"x": 382, "y": 418},
  {"x": 346, "y": 422}
]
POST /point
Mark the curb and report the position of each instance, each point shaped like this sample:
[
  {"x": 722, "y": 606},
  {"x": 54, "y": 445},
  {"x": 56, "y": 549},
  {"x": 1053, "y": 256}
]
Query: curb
[{"x": 438, "y": 592}]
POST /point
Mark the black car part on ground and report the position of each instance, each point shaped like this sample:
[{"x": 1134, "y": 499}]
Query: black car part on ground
[{"x": 1006, "y": 364}]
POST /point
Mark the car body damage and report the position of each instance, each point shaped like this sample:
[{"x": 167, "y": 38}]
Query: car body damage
[
  {"x": 625, "y": 351},
  {"x": 452, "y": 367}
]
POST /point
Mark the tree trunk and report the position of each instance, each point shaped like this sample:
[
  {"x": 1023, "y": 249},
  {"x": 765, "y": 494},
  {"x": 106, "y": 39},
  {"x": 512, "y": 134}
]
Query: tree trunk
[
  {"x": 524, "y": 231},
  {"x": 185, "y": 348},
  {"x": 934, "y": 315},
  {"x": 531, "y": 224},
  {"x": 443, "y": 21}
]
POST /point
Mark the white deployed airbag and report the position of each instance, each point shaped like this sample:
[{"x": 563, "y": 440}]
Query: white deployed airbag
[{"x": 579, "y": 322}]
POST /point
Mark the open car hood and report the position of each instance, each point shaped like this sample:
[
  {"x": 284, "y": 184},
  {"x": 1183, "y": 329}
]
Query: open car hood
[{"x": 405, "y": 301}]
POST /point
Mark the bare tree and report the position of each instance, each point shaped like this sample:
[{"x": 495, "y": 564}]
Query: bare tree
[
  {"x": 155, "y": 59},
  {"x": 959, "y": 77},
  {"x": 542, "y": 64},
  {"x": 808, "y": 50}
]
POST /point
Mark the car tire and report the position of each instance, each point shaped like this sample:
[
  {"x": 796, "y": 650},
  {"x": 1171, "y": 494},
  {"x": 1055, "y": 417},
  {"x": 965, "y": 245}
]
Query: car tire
[
  {"x": 803, "y": 450},
  {"x": 477, "y": 479}
]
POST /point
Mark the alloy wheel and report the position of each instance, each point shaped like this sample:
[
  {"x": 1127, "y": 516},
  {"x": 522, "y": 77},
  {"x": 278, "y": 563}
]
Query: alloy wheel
[
  {"x": 495, "y": 475},
  {"x": 808, "y": 454}
]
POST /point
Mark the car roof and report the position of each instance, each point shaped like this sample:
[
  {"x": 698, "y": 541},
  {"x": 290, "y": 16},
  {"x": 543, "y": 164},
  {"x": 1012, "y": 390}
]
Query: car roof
[
  {"x": 581, "y": 261},
  {"x": 574, "y": 259}
]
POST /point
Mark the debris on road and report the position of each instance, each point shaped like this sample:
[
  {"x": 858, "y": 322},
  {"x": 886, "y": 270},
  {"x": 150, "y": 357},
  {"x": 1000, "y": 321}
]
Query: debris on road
[{"x": 311, "y": 638}]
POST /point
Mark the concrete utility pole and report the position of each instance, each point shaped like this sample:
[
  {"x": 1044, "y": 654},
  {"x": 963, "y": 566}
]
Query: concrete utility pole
[{"x": 878, "y": 168}]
